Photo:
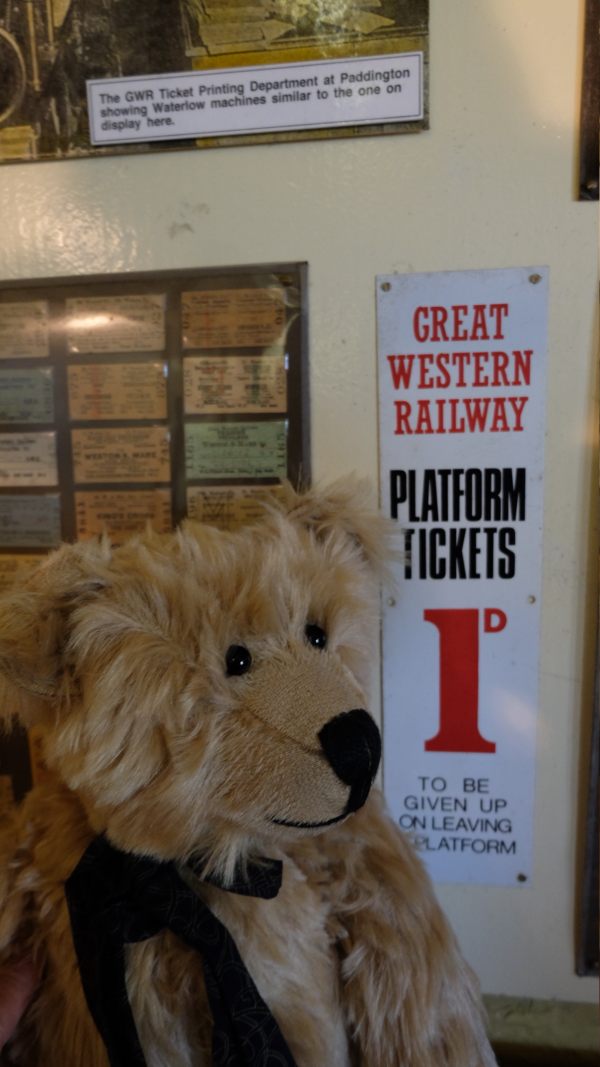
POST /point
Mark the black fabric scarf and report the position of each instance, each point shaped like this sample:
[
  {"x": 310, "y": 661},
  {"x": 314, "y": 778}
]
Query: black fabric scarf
[{"x": 116, "y": 898}]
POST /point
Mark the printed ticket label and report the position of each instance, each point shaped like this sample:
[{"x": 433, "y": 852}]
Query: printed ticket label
[
  {"x": 117, "y": 391},
  {"x": 122, "y": 513},
  {"x": 229, "y": 507},
  {"x": 334, "y": 92},
  {"x": 219, "y": 385},
  {"x": 26, "y": 395},
  {"x": 28, "y": 459},
  {"x": 30, "y": 521},
  {"x": 116, "y": 323},
  {"x": 129, "y": 454},
  {"x": 24, "y": 330},
  {"x": 233, "y": 318},
  {"x": 216, "y": 450},
  {"x": 13, "y": 568}
]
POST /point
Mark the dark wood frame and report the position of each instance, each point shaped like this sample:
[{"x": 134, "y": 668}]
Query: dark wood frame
[
  {"x": 587, "y": 954},
  {"x": 590, "y": 105},
  {"x": 588, "y": 948},
  {"x": 292, "y": 277}
]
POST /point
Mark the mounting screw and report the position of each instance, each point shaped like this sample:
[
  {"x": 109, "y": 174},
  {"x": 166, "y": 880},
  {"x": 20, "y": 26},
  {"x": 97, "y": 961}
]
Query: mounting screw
[
  {"x": 531, "y": 599},
  {"x": 386, "y": 286},
  {"x": 535, "y": 278},
  {"x": 521, "y": 878},
  {"x": 391, "y": 602}
]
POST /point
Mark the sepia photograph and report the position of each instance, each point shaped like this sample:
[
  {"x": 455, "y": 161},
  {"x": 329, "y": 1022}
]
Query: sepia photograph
[{"x": 50, "y": 49}]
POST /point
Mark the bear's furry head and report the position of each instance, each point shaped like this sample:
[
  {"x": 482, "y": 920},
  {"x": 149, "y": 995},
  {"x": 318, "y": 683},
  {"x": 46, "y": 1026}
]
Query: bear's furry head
[{"x": 205, "y": 691}]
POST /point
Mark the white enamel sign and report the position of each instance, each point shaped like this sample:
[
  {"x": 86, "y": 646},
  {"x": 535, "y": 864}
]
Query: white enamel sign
[{"x": 462, "y": 359}]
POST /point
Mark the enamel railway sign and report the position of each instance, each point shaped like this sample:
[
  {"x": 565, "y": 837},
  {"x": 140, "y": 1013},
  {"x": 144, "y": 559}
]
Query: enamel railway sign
[{"x": 461, "y": 360}]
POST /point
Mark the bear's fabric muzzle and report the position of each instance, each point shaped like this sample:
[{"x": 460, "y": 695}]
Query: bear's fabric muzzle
[{"x": 116, "y": 898}]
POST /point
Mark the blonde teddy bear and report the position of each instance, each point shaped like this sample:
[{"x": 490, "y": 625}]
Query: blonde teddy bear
[{"x": 209, "y": 876}]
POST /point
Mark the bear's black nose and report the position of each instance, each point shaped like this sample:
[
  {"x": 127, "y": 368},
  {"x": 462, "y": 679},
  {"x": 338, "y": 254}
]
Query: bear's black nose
[{"x": 352, "y": 744}]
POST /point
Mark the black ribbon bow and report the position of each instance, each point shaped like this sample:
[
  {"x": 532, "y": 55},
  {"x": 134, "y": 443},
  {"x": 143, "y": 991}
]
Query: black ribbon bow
[{"x": 116, "y": 898}]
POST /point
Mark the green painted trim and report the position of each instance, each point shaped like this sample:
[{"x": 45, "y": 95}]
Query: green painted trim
[{"x": 544, "y": 1031}]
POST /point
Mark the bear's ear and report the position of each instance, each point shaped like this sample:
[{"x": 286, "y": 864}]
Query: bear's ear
[
  {"x": 34, "y": 626},
  {"x": 346, "y": 507}
]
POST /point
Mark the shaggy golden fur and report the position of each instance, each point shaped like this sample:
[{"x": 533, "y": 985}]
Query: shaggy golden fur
[{"x": 119, "y": 654}]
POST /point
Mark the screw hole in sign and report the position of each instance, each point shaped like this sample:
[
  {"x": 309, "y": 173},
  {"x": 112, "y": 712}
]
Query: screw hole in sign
[{"x": 459, "y": 677}]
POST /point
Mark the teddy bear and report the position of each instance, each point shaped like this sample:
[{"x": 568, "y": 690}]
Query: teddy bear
[{"x": 208, "y": 874}]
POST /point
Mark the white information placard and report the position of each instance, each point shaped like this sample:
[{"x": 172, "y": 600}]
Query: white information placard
[
  {"x": 258, "y": 99},
  {"x": 461, "y": 360}
]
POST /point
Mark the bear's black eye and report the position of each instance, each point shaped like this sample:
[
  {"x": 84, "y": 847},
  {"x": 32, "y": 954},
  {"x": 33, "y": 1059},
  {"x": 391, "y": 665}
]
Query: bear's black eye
[
  {"x": 237, "y": 660},
  {"x": 315, "y": 636}
]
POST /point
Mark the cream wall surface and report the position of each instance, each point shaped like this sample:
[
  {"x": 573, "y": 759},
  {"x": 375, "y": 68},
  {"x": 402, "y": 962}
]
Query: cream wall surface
[{"x": 490, "y": 185}]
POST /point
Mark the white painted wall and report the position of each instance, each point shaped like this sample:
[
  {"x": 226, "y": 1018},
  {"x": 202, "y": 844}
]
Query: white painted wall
[{"x": 491, "y": 185}]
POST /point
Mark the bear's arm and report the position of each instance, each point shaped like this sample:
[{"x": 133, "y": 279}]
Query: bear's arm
[{"x": 409, "y": 997}]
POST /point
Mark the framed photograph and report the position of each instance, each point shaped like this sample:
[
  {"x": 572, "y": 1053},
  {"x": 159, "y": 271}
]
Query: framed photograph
[{"x": 89, "y": 77}]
